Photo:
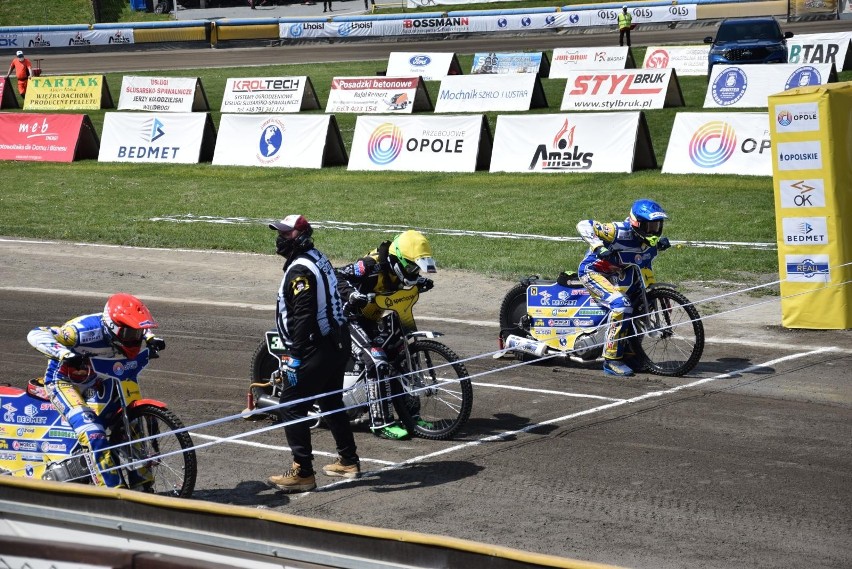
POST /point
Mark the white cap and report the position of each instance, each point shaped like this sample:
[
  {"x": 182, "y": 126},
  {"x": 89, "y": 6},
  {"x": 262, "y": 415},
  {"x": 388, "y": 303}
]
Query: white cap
[
  {"x": 624, "y": 7},
  {"x": 20, "y": 53}
]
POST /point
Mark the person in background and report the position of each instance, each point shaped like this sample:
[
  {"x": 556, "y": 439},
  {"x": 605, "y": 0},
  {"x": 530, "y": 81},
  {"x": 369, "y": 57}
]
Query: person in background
[
  {"x": 392, "y": 266},
  {"x": 640, "y": 235},
  {"x": 23, "y": 69},
  {"x": 311, "y": 324},
  {"x": 326, "y": 6},
  {"x": 120, "y": 332},
  {"x": 625, "y": 24}
]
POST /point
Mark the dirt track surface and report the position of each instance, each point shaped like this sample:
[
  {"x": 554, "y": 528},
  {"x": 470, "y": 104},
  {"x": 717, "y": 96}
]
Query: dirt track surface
[{"x": 746, "y": 463}]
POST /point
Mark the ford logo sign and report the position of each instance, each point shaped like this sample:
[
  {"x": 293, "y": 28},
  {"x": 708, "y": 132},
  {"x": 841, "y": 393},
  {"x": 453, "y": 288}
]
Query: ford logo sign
[{"x": 420, "y": 60}]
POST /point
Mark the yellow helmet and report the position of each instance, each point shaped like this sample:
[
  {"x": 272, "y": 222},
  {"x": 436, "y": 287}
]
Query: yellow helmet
[{"x": 410, "y": 253}]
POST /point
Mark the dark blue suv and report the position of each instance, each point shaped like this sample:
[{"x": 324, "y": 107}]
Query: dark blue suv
[{"x": 748, "y": 40}]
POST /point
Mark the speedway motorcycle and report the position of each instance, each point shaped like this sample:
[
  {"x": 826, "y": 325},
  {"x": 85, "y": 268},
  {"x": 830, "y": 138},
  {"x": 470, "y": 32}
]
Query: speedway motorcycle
[
  {"x": 540, "y": 317},
  {"x": 430, "y": 388},
  {"x": 38, "y": 443}
]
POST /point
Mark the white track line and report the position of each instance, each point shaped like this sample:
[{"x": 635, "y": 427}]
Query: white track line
[{"x": 545, "y": 391}]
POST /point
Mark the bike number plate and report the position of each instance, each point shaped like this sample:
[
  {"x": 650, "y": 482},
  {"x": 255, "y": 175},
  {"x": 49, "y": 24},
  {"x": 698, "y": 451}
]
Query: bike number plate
[{"x": 274, "y": 344}]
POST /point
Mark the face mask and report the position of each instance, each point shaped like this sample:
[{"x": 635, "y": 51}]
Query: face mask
[{"x": 284, "y": 246}]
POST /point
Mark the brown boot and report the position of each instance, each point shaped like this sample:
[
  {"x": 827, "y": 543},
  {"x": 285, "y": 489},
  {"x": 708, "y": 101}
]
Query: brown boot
[{"x": 292, "y": 482}]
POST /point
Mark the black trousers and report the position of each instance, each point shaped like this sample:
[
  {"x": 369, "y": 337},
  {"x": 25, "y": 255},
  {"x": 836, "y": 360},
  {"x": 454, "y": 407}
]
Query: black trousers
[
  {"x": 320, "y": 372},
  {"x": 622, "y": 33}
]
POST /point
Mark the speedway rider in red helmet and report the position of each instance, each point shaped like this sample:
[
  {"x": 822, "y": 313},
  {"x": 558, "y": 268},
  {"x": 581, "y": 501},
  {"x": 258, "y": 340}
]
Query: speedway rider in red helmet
[
  {"x": 638, "y": 235},
  {"x": 120, "y": 331}
]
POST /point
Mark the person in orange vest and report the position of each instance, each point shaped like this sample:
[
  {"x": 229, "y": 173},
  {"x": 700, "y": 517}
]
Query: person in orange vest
[
  {"x": 625, "y": 23},
  {"x": 23, "y": 69}
]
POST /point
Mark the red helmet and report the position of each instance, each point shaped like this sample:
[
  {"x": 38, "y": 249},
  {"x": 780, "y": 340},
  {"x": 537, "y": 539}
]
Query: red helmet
[{"x": 125, "y": 319}]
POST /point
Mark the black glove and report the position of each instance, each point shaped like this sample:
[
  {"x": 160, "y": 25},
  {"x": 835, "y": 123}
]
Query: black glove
[
  {"x": 562, "y": 279},
  {"x": 424, "y": 284},
  {"x": 155, "y": 344},
  {"x": 663, "y": 244},
  {"x": 360, "y": 300},
  {"x": 73, "y": 360},
  {"x": 605, "y": 254}
]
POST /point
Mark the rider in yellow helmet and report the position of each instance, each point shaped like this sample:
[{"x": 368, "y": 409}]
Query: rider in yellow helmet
[{"x": 391, "y": 266}]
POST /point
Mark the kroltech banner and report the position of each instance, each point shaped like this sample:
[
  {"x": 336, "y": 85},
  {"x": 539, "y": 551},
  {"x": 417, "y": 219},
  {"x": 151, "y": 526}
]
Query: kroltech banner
[{"x": 812, "y": 175}]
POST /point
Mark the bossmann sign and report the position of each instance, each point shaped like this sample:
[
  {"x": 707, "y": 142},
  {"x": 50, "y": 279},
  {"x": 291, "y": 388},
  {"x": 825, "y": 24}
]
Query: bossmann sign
[
  {"x": 686, "y": 59},
  {"x": 269, "y": 95},
  {"x": 575, "y": 142},
  {"x": 732, "y": 86},
  {"x": 714, "y": 143},
  {"x": 184, "y": 138},
  {"x": 420, "y": 143},
  {"x": 629, "y": 89}
]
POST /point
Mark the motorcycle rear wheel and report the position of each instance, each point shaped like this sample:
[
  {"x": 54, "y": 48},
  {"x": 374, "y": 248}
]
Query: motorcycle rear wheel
[
  {"x": 437, "y": 400},
  {"x": 512, "y": 310},
  {"x": 175, "y": 474},
  {"x": 671, "y": 341}
]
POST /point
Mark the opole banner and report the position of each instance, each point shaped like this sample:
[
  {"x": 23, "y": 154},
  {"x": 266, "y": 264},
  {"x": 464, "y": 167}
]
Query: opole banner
[
  {"x": 459, "y": 143},
  {"x": 714, "y": 143},
  {"x": 68, "y": 92}
]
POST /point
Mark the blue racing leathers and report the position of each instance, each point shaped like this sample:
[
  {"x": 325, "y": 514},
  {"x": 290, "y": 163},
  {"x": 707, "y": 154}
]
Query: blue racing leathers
[
  {"x": 599, "y": 275},
  {"x": 66, "y": 385}
]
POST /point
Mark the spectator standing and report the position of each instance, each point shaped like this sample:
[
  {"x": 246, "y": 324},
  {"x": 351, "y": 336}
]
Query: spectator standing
[
  {"x": 312, "y": 325},
  {"x": 326, "y": 6},
  {"x": 625, "y": 23},
  {"x": 23, "y": 69}
]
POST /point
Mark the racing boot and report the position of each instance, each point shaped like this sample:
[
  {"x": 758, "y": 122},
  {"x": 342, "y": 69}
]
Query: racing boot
[
  {"x": 394, "y": 432},
  {"x": 617, "y": 368}
]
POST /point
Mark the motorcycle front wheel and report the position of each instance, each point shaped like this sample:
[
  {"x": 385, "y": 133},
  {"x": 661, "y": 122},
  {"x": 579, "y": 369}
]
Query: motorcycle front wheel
[
  {"x": 669, "y": 338},
  {"x": 173, "y": 474},
  {"x": 436, "y": 398}
]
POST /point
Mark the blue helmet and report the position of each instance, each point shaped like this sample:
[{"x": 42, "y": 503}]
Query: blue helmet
[{"x": 646, "y": 219}]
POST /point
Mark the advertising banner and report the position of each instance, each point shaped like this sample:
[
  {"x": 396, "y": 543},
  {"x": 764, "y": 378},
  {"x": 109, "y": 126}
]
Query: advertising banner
[
  {"x": 520, "y": 62},
  {"x": 575, "y": 142},
  {"x": 749, "y": 86},
  {"x": 821, "y": 48},
  {"x": 567, "y": 59},
  {"x": 421, "y": 143},
  {"x": 811, "y": 179},
  {"x": 685, "y": 59},
  {"x": 431, "y": 66},
  {"x": 714, "y": 143},
  {"x": 366, "y": 95},
  {"x": 8, "y": 100},
  {"x": 162, "y": 94},
  {"x": 47, "y": 137},
  {"x": 621, "y": 90},
  {"x": 68, "y": 93},
  {"x": 269, "y": 95},
  {"x": 800, "y": 10},
  {"x": 643, "y": 15},
  {"x": 479, "y": 93},
  {"x": 68, "y": 38},
  {"x": 283, "y": 141},
  {"x": 177, "y": 138}
]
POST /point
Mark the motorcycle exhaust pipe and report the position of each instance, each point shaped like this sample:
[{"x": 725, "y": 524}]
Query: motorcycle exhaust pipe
[
  {"x": 265, "y": 401},
  {"x": 520, "y": 344}
]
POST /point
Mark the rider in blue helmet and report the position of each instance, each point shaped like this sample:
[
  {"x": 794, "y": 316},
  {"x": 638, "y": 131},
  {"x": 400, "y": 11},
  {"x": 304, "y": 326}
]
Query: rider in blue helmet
[{"x": 640, "y": 235}]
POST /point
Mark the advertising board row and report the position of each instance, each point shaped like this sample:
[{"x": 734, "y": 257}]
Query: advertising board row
[{"x": 705, "y": 143}]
